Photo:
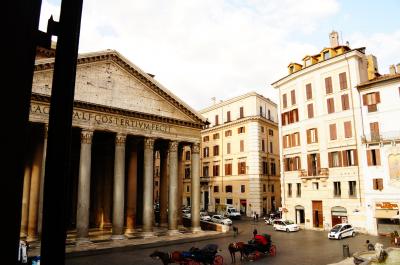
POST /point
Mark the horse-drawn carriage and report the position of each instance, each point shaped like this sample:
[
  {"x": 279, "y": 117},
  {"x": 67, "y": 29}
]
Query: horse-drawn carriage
[
  {"x": 195, "y": 256},
  {"x": 258, "y": 247}
]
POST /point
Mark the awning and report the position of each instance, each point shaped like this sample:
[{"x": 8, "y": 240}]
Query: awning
[{"x": 388, "y": 214}]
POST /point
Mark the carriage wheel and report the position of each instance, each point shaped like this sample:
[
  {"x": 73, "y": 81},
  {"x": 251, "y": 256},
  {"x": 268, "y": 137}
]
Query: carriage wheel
[
  {"x": 272, "y": 251},
  {"x": 193, "y": 262},
  {"x": 218, "y": 260}
]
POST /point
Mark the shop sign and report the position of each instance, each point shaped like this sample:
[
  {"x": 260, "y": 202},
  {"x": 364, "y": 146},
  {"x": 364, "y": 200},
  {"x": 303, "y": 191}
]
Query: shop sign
[{"x": 386, "y": 206}]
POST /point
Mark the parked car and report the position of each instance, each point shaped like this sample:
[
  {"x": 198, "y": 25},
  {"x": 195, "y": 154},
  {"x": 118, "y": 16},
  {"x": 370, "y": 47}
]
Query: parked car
[
  {"x": 204, "y": 216},
  {"x": 340, "y": 231},
  {"x": 217, "y": 218},
  {"x": 285, "y": 225}
]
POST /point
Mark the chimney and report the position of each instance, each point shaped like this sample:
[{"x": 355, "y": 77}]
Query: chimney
[
  {"x": 398, "y": 68},
  {"x": 372, "y": 67},
  {"x": 392, "y": 69},
  {"x": 334, "y": 39}
]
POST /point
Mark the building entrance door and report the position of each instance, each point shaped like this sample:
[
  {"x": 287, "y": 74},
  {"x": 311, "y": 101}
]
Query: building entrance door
[
  {"x": 243, "y": 206},
  {"x": 206, "y": 202},
  {"x": 317, "y": 214}
]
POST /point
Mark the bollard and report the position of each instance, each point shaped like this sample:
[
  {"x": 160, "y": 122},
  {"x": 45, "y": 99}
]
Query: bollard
[{"x": 346, "y": 251}]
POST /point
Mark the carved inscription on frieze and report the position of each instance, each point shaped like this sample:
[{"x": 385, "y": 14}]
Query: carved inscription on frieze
[{"x": 104, "y": 119}]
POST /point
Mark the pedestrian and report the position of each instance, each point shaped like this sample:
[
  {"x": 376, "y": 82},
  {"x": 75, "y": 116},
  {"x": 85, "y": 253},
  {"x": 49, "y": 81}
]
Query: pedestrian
[
  {"x": 369, "y": 245},
  {"x": 23, "y": 252},
  {"x": 254, "y": 233},
  {"x": 257, "y": 217},
  {"x": 235, "y": 231},
  {"x": 254, "y": 216}
]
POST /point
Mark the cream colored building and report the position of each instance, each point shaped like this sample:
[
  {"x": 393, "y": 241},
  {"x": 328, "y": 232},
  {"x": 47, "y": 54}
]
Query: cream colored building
[
  {"x": 240, "y": 155},
  {"x": 322, "y": 170},
  {"x": 123, "y": 120},
  {"x": 380, "y": 150}
]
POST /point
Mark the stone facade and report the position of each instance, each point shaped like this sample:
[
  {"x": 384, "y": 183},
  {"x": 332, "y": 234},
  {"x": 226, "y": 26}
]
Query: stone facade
[{"x": 122, "y": 117}]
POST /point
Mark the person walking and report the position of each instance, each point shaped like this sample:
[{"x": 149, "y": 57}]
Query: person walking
[
  {"x": 255, "y": 232},
  {"x": 235, "y": 231}
]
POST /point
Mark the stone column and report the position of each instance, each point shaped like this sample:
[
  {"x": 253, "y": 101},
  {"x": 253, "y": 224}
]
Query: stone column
[
  {"x": 195, "y": 187},
  {"x": 163, "y": 186},
  {"x": 25, "y": 198},
  {"x": 181, "y": 174},
  {"x": 131, "y": 190},
  {"x": 148, "y": 170},
  {"x": 119, "y": 187},
  {"x": 46, "y": 128},
  {"x": 173, "y": 206},
  {"x": 82, "y": 214},
  {"x": 34, "y": 192}
]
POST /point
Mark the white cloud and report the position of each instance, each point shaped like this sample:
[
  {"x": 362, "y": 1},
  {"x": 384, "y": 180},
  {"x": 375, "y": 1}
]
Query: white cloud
[
  {"x": 385, "y": 46},
  {"x": 201, "y": 49}
]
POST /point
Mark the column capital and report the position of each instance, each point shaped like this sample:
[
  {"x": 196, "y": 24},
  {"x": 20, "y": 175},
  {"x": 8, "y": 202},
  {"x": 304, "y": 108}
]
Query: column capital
[
  {"x": 120, "y": 139},
  {"x": 86, "y": 136},
  {"x": 195, "y": 148},
  {"x": 149, "y": 143},
  {"x": 173, "y": 146}
]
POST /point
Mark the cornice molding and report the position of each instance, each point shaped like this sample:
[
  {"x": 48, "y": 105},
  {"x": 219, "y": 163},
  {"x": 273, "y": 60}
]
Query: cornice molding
[
  {"x": 239, "y": 122},
  {"x": 112, "y": 110}
]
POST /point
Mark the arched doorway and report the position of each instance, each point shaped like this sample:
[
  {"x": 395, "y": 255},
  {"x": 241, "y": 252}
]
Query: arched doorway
[
  {"x": 339, "y": 215},
  {"x": 299, "y": 214}
]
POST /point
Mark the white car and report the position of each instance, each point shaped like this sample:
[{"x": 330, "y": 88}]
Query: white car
[
  {"x": 285, "y": 225},
  {"x": 221, "y": 219},
  {"x": 340, "y": 231},
  {"x": 204, "y": 216}
]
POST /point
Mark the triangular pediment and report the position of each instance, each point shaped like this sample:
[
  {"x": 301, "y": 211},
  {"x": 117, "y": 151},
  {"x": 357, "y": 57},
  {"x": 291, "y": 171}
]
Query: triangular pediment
[{"x": 108, "y": 79}]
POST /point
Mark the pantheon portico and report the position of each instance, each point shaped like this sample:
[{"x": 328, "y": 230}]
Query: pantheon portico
[{"x": 122, "y": 117}]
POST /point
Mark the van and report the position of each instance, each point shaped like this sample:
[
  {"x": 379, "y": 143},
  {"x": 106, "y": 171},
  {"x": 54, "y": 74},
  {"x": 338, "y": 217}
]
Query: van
[{"x": 232, "y": 213}]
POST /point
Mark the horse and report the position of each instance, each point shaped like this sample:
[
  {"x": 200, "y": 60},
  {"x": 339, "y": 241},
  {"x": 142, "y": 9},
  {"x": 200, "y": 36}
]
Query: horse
[
  {"x": 236, "y": 247},
  {"x": 166, "y": 258}
]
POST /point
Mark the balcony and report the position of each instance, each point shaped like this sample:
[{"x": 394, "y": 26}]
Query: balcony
[
  {"x": 382, "y": 137},
  {"x": 205, "y": 179},
  {"x": 322, "y": 174}
]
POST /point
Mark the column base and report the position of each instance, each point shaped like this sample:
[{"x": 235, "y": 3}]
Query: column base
[
  {"x": 164, "y": 224},
  {"x": 32, "y": 238},
  {"x": 117, "y": 237},
  {"x": 173, "y": 232},
  {"x": 130, "y": 231},
  {"x": 83, "y": 241},
  {"x": 148, "y": 234},
  {"x": 196, "y": 229}
]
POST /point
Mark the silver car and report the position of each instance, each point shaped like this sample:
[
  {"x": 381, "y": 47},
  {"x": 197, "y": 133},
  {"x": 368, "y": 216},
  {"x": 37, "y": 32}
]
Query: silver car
[{"x": 217, "y": 218}]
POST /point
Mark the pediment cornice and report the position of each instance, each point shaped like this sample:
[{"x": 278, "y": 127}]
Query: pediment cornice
[{"x": 114, "y": 56}]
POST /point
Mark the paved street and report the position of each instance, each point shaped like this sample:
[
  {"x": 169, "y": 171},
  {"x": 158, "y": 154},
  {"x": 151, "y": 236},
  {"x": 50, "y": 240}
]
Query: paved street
[{"x": 300, "y": 248}]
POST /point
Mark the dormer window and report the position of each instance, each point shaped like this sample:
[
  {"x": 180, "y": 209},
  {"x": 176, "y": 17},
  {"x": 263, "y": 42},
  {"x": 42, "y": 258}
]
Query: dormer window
[
  {"x": 326, "y": 55},
  {"x": 308, "y": 62},
  {"x": 291, "y": 69}
]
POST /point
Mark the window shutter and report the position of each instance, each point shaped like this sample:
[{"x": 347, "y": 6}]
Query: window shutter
[
  {"x": 345, "y": 161},
  {"x": 310, "y": 111},
  {"x": 377, "y": 97},
  {"x": 345, "y": 102},
  {"x": 369, "y": 157},
  {"x": 331, "y": 105},
  {"x": 309, "y": 165},
  {"x": 378, "y": 157},
  {"x": 355, "y": 157},
  {"x": 380, "y": 184},
  {"x": 365, "y": 100},
  {"x": 340, "y": 158},
  {"x": 332, "y": 131},
  {"x": 330, "y": 160},
  {"x": 308, "y": 136},
  {"x": 284, "y": 100},
  {"x": 316, "y": 135},
  {"x": 343, "y": 80},
  {"x": 293, "y": 97},
  {"x": 347, "y": 129},
  {"x": 228, "y": 116},
  {"x": 318, "y": 164},
  {"x": 328, "y": 85},
  {"x": 308, "y": 91}
]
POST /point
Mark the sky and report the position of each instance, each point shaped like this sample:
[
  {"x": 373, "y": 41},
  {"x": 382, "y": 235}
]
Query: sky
[{"x": 200, "y": 49}]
